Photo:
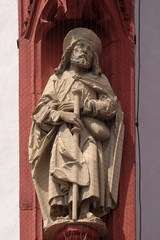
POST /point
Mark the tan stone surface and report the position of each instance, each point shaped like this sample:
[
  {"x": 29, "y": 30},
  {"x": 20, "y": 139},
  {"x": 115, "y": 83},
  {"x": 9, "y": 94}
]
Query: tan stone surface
[{"x": 68, "y": 150}]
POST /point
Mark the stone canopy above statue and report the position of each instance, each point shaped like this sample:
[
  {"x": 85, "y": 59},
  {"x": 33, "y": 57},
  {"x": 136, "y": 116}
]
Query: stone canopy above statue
[{"x": 76, "y": 140}]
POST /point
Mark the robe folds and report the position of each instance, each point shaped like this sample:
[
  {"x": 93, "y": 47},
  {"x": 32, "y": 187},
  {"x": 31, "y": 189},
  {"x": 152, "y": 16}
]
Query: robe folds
[{"x": 57, "y": 161}]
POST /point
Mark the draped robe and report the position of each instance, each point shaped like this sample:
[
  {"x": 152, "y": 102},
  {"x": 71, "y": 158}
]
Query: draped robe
[{"x": 55, "y": 165}]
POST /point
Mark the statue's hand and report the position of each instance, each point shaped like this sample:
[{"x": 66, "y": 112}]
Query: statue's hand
[
  {"x": 66, "y": 106},
  {"x": 70, "y": 117}
]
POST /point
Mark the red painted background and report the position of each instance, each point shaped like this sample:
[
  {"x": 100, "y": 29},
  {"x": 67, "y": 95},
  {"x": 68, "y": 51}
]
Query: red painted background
[{"x": 42, "y": 27}]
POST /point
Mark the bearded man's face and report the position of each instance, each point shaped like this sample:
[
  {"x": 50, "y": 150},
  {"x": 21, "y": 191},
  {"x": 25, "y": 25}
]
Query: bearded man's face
[{"x": 82, "y": 55}]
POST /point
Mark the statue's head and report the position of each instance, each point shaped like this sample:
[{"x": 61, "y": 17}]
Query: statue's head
[
  {"x": 81, "y": 47},
  {"x": 82, "y": 55}
]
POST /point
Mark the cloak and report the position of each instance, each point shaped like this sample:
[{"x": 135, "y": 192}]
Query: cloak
[{"x": 51, "y": 153}]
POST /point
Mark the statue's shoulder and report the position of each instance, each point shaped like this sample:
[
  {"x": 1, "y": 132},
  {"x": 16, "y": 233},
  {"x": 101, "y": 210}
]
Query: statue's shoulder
[
  {"x": 50, "y": 85},
  {"x": 53, "y": 78},
  {"x": 59, "y": 77},
  {"x": 101, "y": 78}
]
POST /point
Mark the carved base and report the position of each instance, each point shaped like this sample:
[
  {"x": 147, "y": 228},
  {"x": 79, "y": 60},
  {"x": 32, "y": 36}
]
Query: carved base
[{"x": 80, "y": 230}]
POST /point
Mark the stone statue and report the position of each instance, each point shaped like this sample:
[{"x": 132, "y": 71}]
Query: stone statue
[{"x": 76, "y": 140}]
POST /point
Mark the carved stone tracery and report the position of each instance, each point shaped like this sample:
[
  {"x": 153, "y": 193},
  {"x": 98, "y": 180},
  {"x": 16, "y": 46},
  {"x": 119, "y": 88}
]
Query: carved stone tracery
[
  {"x": 28, "y": 12},
  {"x": 58, "y": 10},
  {"x": 124, "y": 7}
]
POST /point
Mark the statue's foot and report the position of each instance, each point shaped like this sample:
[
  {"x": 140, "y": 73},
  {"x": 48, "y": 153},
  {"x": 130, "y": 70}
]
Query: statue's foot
[
  {"x": 84, "y": 215},
  {"x": 63, "y": 219},
  {"x": 67, "y": 217},
  {"x": 90, "y": 217}
]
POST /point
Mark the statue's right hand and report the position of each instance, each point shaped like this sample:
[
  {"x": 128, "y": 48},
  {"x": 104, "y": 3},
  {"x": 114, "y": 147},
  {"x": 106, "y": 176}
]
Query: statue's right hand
[{"x": 72, "y": 118}]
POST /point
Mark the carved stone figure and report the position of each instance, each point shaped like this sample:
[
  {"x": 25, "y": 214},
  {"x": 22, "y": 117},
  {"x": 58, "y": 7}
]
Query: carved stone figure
[{"x": 76, "y": 139}]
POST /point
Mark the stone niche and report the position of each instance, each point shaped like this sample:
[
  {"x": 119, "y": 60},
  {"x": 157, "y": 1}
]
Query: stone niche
[{"x": 42, "y": 27}]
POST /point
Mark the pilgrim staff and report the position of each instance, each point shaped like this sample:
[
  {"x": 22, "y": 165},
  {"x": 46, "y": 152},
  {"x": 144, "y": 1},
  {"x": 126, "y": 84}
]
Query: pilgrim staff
[{"x": 77, "y": 95}]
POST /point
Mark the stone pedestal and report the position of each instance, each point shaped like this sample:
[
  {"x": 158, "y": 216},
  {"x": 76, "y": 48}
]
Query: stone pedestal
[{"x": 78, "y": 232}]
